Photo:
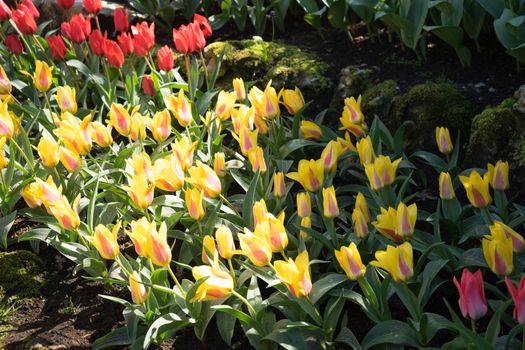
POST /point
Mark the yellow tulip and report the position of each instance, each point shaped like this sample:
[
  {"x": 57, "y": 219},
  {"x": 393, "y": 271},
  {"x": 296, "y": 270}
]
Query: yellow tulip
[
  {"x": 66, "y": 99},
  {"x": 204, "y": 178},
  {"x": 159, "y": 250},
  {"x": 3, "y": 159},
  {"x": 256, "y": 157},
  {"x": 31, "y": 195},
  {"x": 167, "y": 174},
  {"x": 138, "y": 126},
  {"x": 247, "y": 139},
  {"x": 218, "y": 284},
  {"x": 350, "y": 261},
  {"x": 225, "y": 243},
  {"x": 260, "y": 125},
  {"x": 224, "y": 105},
  {"x": 161, "y": 125},
  {"x": 295, "y": 274},
  {"x": 105, "y": 241},
  {"x": 180, "y": 108},
  {"x": 100, "y": 134},
  {"x": 330, "y": 207},
  {"x": 219, "y": 164},
  {"x": 42, "y": 77},
  {"x": 360, "y": 223},
  {"x": 47, "y": 192},
  {"x": 238, "y": 87},
  {"x": 120, "y": 119},
  {"x": 256, "y": 248},
  {"x": 346, "y": 144},
  {"x": 443, "y": 140},
  {"x": 330, "y": 156},
  {"x": 193, "y": 198},
  {"x": 70, "y": 159},
  {"x": 5, "y": 83},
  {"x": 304, "y": 204},
  {"x": 139, "y": 235},
  {"x": 141, "y": 164},
  {"x": 306, "y": 222},
  {"x": 381, "y": 172},
  {"x": 310, "y": 174},
  {"x": 74, "y": 136},
  {"x": 360, "y": 203},
  {"x": 446, "y": 190},
  {"x": 141, "y": 191},
  {"x": 7, "y": 123},
  {"x": 498, "y": 252},
  {"x": 266, "y": 102},
  {"x": 279, "y": 187},
  {"x": 243, "y": 116},
  {"x": 518, "y": 243},
  {"x": 365, "y": 150},
  {"x": 273, "y": 229},
  {"x": 184, "y": 150},
  {"x": 66, "y": 215},
  {"x": 310, "y": 130},
  {"x": 47, "y": 151},
  {"x": 259, "y": 211},
  {"x": 397, "y": 261},
  {"x": 352, "y": 111},
  {"x": 477, "y": 189},
  {"x": 293, "y": 100},
  {"x": 139, "y": 293},
  {"x": 398, "y": 225},
  {"x": 499, "y": 175},
  {"x": 208, "y": 249}
]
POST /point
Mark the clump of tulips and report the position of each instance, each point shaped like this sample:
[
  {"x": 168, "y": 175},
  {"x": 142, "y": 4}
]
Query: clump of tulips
[{"x": 240, "y": 209}]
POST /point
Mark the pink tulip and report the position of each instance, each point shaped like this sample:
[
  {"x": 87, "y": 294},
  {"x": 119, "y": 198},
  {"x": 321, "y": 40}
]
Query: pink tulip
[
  {"x": 518, "y": 295},
  {"x": 472, "y": 300}
]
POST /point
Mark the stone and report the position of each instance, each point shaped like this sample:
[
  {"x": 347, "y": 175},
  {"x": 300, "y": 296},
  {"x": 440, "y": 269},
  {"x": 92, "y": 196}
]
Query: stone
[
  {"x": 377, "y": 99},
  {"x": 519, "y": 96},
  {"x": 354, "y": 80}
]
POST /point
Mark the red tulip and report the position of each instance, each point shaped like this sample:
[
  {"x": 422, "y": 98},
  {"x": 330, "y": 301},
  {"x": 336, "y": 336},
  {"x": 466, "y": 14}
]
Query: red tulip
[
  {"x": 120, "y": 18},
  {"x": 203, "y": 23},
  {"x": 92, "y": 6},
  {"x": 518, "y": 295},
  {"x": 97, "y": 42},
  {"x": 165, "y": 58},
  {"x": 66, "y": 4},
  {"x": 189, "y": 38},
  {"x": 24, "y": 20},
  {"x": 79, "y": 28},
  {"x": 472, "y": 300},
  {"x": 114, "y": 54},
  {"x": 148, "y": 86},
  {"x": 57, "y": 46},
  {"x": 13, "y": 43},
  {"x": 143, "y": 38},
  {"x": 197, "y": 36},
  {"x": 5, "y": 11},
  {"x": 31, "y": 7},
  {"x": 126, "y": 43}
]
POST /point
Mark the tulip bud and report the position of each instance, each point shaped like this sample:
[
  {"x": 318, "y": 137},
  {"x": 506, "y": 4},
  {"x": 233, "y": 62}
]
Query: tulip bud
[
  {"x": 219, "y": 164},
  {"x": 397, "y": 261},
  {"x": 138, "y": 127},
  {"x": 120, "y": 119},
  {"x": 518, "y": 295},
  {"x": 204, "y": 178},
  {"x": 5, "y": 83},
  {"x": 161, "y": 125},
  {"x": 304, "y": 204},
  {"x": 148, "y": 86},
  {"x": 180, "y": 107},
  {"x": 518, "y": 243},
  {"x": 167, "y": 174},
  {"x": 208, "y": 249},
  {"x": 330, "y": 207},
  {"x": 3, "y": 159},
  {"x": 247, "y": 140},
  {"x": 259, "y": 212},
  {"x": 360, "y": 203},
  {"x": 477, "y": 189},
  {"x": 256, "y": 157},
  {"x": 66, "y": 99},
  {"x": 100, "y": 134},
  {"x": 225, "y": 243},
  {"x": 330, "y": 156},
  {"x": 472, "y": 300},
  {"x": 159, "y": 250},
  {"x": 306, "y": 222},
  {"x": 139, "y": 293},
  {"x": 48, "y": 151},
  {"x": 65, "y": 214},
  {"x": 218, "y": 284},
  {"x": 69, "y": 159},
  {"x": 443, "y": 140},
  {"x": 141, "y": 191},
  {"x": 183, "y": 150},
  {"x": 256, "y": 248},
  {"x": 360, "y": 223},
  {"x": 499, "y": 175},
  {"x": 279, "y": 187},
  {"x": 382, "y": 172},
  {"x": 105, "y": 241},
  {"x": 406, "y": 219},
  {"x": 293, "y": 100},
  {"x": 310, "y": 130},
  {"x": 273, "y": 229},
  {"x": 497, "y": 250},
  {"x": 194, "y": 205},
  {"x": 365, "y": 149},
  {"x": 295, "y": 274},
  {"x": 42, "y": 78},
  {"x": 225, "y": 102},
  {"x": 446, "y": 190},
  {"x": 350, "y": 261},
  {"x": 310, "y": 174},
  {"x": 240, "y": 92},
  {"x": 31, "y": 195}
]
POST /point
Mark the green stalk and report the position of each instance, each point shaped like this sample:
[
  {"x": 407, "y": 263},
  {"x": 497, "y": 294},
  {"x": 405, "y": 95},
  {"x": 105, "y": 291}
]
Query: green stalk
[
  {"x": 245, "y": 302},
  {"x": 176, "y": 281}
]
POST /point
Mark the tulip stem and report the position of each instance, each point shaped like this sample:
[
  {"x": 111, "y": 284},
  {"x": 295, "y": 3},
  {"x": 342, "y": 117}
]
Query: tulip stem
[
  {"x": 232, "y": 271},
  {"x": 205, "y": 69},
  {"x": 486, "y": 215},
  {"x": 225, "y": 200},
  {"x": 473, "y": 325},
  {"x": 369, "y": 292},
  {"x": 284, "y": 255},
  {"x": 523, "y": 339},
  {"x": 176, "y": 281},
  {"x": 245, "y": 302},
  {"x": 188, "y": 74},
  {"x": 22, "y": 152}
]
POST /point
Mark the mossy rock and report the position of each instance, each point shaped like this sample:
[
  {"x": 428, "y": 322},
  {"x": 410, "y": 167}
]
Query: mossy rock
[
  {"x": 21, "y": 275},
  {"x": 261, "y": 61},
  {"x": 354, "y": 81},
  {"x": 430, "y": 105},
  {"x": 378, "y": 98}
]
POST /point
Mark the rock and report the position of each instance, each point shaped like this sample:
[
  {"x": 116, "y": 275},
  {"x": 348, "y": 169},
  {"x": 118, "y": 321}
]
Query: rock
[
  {"x": 354, "y": 80},
  {"x": 519, "y": 106},
  {"x": 377, "y": 99},
  {"x": 286, "y": 65},
  {"x": 430, "y": 105}
]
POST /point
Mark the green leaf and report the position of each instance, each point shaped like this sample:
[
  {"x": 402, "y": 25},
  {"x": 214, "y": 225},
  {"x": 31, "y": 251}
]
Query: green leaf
[
  {"x": 6, "y": 223},
  {"x": 249, "y": 199},
  {"x": 238, "y": 314},
  {"x": 346, "y": 336},
  {"x": 390, "y": 332},
  {"x": 117, "y": 337},
  {"x": 325, "y": 284},
  {"x": 170, "y": 322},
  {"x": 494, "y": 326}
]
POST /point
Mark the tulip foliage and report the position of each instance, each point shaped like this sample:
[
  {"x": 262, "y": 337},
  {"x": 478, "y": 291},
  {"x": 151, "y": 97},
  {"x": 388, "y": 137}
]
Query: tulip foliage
[{"x": 232, "y": 207}]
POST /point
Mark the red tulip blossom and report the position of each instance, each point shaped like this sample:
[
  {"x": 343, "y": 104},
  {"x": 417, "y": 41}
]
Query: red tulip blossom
[
  {"x": 97, "y": 42},
  {"x": 114, "y": 54},
  {"x": 92, "y": 6},
  {"x": 5, "y": 11},
  {"x": 31, "y": 7},
  {"x": 189, "y": 38},
  {"x": 165, "y": 58},
  {"x": 518, "y": 295},
  {"x": 472, "y": 300},
  {"x": 203, "y": 23},
  {"x": 24, "y": 20},
  {"x": 143, "y": 38},
  {"x": 147, "y": 86},
  {"x": 77, "y": 29},
  {"x": 57, "y": 47},
  {"x": 126, "y": 43},
  {"x": 66, "y": 4},
  {"x": 120, "y": 18},
  {"x": 13, "y": 43}
]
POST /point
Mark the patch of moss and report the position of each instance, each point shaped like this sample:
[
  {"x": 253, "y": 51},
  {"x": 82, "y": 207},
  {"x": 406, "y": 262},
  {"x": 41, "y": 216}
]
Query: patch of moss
[
  {"x": 430, "y": 105},
  {"x": 354, "y": 81},
  {"x": 378, "y": 98},
  {"x": 285, "y": 65},
  {"x": 493, "y": 134},
  {"x": 21, "y": 275}
]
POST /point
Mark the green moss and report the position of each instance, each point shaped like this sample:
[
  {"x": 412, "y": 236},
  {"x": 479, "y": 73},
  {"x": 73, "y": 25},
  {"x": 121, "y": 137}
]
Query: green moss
[
  {"x": 493, "y": 133},
  {"x": 429, "y": 105},
  {"x": 20, "y": 275},
  {"x": 354, "y": 81},
  {"x": 285, "y": 65},
  {"x": 378, "y": 98}
]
